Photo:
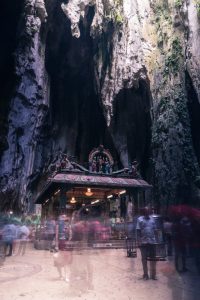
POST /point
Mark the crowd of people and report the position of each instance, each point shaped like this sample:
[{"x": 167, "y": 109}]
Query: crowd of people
[
  {"x": 180, "y": 235},
  {"x": 57, "y": 232},
  {"x": 15, "y": 232}
]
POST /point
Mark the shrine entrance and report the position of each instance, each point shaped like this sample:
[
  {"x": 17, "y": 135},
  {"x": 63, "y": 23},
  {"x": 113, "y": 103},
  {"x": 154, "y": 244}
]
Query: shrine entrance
[{"x": 107, "y": 199}]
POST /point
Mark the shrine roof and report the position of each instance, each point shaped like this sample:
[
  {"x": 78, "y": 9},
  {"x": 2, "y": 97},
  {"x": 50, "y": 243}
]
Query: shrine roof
[{"x": 81, "y": 179}]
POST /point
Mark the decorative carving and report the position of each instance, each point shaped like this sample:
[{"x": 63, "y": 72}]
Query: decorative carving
[
  {"x": 100, "y": 160},
  {"x": 134, "y": 169},
  {"x": 63, "y": 163}
]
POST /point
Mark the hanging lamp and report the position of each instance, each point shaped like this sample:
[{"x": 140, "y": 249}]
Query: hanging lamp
[{"x": 89, "y": 192}]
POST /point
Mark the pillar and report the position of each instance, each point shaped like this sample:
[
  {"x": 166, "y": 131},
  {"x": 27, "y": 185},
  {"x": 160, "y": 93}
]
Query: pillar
[{"x": 62, "y": 200}]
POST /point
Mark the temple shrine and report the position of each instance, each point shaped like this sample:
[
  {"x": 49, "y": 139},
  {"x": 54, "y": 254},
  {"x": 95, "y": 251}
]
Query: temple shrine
[{"x": 95, "y": 193}]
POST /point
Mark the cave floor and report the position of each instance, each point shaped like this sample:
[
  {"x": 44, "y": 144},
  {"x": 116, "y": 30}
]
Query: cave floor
[{"x": 93, "y": 274}]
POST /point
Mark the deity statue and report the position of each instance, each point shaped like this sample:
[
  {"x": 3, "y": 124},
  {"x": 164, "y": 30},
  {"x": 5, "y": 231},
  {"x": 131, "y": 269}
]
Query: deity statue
[
  {"x": 100, "y": 160},
  {"x": 100, "y": 163},
  {"x": 94, "y": 166},
  {"x": 107, "y": 166}
]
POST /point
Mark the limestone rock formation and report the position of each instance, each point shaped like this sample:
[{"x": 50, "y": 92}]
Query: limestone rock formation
[
  {"x": 122, "y": 21},
  {"x": 120, "y": 72},
  {"x": 28, "y": 108}
]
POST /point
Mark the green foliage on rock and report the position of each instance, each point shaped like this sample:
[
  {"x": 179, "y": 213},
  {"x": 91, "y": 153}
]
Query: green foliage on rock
[
  {"x": 178, "y": 3},
  {"x": 118, "y": 18},
  {"x": 172, "y": 61},
  {"x": 173, "y": 156},
  {"x": 115, "y": 14},
  {"x": 198, "y": 7},
  {"x": 161, "y": 10},
  {"x": 162, "y": 19}
]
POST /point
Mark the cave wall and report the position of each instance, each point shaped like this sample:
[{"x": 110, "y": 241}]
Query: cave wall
[
  {"x": 176, "y": 169},
  {"x": 10, "y": 15},
  {"x": 124, "y": 73},
  {"x": 155, "y": 42},
  {"x": 28, "y": 107}
]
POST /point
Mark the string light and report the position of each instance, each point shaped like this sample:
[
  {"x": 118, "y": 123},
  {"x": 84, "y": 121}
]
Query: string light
[{"x": 122, "y": 192}]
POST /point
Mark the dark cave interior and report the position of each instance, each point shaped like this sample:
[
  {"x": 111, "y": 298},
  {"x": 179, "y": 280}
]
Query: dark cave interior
[
  {"x": 77, "y": 116},
  {"x": 132, "y": 123}
]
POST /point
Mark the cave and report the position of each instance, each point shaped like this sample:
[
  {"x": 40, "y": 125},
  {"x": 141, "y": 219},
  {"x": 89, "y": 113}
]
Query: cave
[
  {"x": 77, "y": 116},
  {"x": 131, "y": 126}
]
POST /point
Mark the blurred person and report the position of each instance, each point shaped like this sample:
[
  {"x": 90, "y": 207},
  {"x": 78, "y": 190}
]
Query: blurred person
[
  {"x": 2, "y": 254},
  {"x": 81, "y": 270},
  {"x": 196, "y": 243},
  {"x": 63, "y": 231},
  {"x": 16, "y": 241},
  {"x": 62, "y": 261},
  {"x": 180, "y": 235},
  {"x": 78, "y": 230},
  {"x": 50, "y": 231},
  {"x": 9, "y": 234},
  {"x": 167, "y": 231},
  {"x": 23, "y": 235},
  {"x": 62, "y": 257},
  {"x": 146, "y": 237},
  {"x": 81, "y": 274},
  {"x": 129, "y": 210},
  {"x": 187, "y": 233}
]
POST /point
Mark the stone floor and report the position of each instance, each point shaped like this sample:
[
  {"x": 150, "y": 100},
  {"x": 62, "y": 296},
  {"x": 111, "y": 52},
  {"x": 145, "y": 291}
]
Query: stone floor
[{"x": 93, "y": 275}]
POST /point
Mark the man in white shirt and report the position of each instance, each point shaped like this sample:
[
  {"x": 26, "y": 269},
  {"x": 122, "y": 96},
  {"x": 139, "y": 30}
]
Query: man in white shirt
[
  {"x": 146, "y": 228},
  {"x": 23, "y": 235}
]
